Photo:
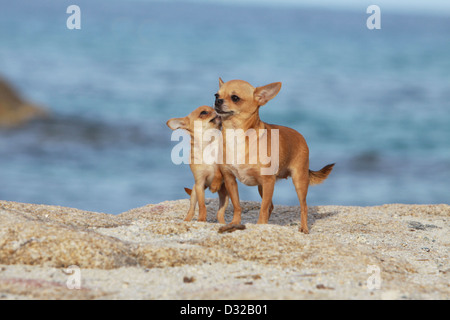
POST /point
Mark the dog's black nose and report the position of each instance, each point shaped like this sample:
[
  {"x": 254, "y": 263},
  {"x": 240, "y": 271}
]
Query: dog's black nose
[{"x": 219, "y": 102}]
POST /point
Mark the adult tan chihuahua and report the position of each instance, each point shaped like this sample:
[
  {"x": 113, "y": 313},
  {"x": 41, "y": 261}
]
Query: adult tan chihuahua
[
  {"x": 205, "y": 175},
  {"x": 238, "y": 103}
]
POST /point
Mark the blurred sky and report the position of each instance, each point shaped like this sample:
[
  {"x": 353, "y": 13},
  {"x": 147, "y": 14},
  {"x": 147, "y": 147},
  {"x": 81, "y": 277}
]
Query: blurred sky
[{"x": 406, "y": 6}]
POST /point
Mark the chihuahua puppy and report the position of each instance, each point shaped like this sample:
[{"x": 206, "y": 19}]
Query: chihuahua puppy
[
  {"x": 238, "y": 103},
  {"x": 205, "y": 175}
]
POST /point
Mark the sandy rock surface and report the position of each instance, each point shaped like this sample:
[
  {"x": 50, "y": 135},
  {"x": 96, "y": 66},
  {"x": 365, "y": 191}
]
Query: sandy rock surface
[{"x": 385, "y": 252}]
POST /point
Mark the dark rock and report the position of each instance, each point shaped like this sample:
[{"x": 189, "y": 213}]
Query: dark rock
[{"x": 14, "y": 111}]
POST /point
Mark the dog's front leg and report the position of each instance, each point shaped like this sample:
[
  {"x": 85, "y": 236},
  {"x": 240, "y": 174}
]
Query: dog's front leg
[
  {"x": 193, "y": 203},
  {"x": 223, "y": 204},
  {"x": 200, "y": 191},
  {"x": 267, "y": 194},
  {"x": 260, "y": 190},
  {"x": 232, "y": 188},
  {"x": 217, "y": 181}
]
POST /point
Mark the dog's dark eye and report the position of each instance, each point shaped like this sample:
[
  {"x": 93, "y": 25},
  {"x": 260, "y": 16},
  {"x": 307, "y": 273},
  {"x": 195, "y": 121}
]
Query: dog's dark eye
[
  {"x": 235, "y": 98},
  {"x": 203, "y": 113},
  {"x": 216, "y": 95}
]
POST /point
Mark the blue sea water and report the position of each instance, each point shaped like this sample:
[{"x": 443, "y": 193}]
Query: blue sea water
[{"x": 375, "y": 102}]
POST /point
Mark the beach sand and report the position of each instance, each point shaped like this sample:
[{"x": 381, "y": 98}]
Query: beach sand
[{"x": 391, "y": 251}]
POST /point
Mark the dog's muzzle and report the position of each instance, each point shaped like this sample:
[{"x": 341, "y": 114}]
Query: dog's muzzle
[{"x": 220, "y": 111}]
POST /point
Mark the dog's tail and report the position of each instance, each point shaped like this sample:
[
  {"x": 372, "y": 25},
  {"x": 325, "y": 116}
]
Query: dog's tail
[
  {"x": 316, "y": 177},
  {"x": 188, "y": 191}
]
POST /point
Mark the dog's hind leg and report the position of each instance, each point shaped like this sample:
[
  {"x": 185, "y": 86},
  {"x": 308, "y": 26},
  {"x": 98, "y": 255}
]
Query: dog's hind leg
[{"x": 301, "y": 183}]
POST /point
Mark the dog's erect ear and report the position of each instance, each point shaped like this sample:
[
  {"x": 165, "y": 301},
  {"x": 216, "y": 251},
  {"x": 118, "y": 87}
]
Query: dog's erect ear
[
  {"x": 265, "y": 93},
  {"x": 177, "y": 123},
  {"x": 220, "y": 82}
]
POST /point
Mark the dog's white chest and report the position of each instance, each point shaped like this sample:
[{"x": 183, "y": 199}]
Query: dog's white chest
[{"x": 244, "y": 174}]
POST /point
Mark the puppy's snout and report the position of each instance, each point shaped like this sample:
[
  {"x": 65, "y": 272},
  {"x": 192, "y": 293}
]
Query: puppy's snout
[{"x": 216, "y": 120}]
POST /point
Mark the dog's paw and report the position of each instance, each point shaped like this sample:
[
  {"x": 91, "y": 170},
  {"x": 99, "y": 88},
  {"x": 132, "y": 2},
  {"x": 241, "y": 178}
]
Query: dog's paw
[{"x": 304, "y": 230}]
